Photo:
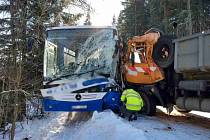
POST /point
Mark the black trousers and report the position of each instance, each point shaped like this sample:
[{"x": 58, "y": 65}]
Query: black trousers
[{"x": 130, "y": 114}]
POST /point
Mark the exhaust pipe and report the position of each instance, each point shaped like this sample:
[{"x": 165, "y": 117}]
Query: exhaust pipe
[{"x": 190, "y": 103}]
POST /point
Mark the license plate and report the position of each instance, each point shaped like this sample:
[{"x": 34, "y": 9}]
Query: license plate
[{"x": 79, "y": 107}]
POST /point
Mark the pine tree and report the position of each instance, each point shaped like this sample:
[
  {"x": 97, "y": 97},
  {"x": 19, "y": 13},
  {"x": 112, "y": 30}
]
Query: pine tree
[
  {"x": 133, "y": 19},
  {"x": 22, "y": 35},
  {"x": 114, "y": 20},
  {"x": 190, "y": 16}
]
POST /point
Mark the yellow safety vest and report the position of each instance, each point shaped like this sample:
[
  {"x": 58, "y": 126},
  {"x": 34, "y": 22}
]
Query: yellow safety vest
[{"x": 133, "y": 100}]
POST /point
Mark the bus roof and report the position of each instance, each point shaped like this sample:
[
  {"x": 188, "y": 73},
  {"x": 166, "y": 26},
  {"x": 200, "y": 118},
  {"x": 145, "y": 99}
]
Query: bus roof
[{"x": 80, "y": 27}]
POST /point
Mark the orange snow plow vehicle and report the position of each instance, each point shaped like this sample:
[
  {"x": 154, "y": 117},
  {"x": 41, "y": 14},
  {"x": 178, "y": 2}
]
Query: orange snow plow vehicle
[
  {"x": 145, "y": 65},
  {"x": 140, "y": 65},
  {"x": 168, "y": 71}
]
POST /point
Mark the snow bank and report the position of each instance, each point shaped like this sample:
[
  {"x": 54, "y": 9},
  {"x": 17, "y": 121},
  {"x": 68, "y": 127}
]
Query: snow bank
[
  {"x": 107, "y": 125},
  {"x": 202, "y": 114},
  {"x": 40, "y": 129}
]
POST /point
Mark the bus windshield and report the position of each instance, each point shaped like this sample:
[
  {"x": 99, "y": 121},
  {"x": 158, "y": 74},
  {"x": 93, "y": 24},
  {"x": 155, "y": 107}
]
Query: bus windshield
[{"x": 77, "y": 50}]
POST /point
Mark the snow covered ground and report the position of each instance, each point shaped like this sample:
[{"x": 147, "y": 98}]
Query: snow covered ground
[
  {"x": 106, "y": 125},
  {"x": 195, "y": 113},
  {"x": 201, "y": 114}
]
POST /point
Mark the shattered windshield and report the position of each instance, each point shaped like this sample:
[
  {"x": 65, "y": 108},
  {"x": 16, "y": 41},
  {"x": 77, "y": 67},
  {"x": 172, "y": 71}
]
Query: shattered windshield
[{"x": 78, "y": 50}]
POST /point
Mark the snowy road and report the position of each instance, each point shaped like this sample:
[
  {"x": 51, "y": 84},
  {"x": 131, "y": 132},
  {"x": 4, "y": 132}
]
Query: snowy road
[{"x": 107, "y": 125}]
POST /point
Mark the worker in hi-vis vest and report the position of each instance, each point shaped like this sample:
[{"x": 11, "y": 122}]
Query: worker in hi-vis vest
[{"x": 133, "y": 104}]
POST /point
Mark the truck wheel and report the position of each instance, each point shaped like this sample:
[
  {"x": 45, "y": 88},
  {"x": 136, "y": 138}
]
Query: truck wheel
[
  {"x": 149, "y": 107},
  {"x": 181, "y": 110},
  {"x": 163, "y": 52}
]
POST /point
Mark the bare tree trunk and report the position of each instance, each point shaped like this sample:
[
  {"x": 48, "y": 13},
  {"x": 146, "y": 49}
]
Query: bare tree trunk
[
  {"x": 18, "y": 42},
  {"x": 15, "y": 114},
  {"x": 135, "y": 17},
  {"x": 189, "y": 16},
  {"x": 164, "y": 3}
]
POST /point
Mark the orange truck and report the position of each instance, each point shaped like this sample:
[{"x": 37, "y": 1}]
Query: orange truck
[{"x": 157, "y": 66}]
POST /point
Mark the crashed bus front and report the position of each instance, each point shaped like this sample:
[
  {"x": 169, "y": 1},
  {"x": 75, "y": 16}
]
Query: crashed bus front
[{"x": 79, "y": 69}]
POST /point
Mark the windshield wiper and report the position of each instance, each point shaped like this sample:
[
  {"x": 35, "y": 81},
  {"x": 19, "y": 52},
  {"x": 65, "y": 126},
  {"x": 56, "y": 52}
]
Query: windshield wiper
[{"x": 67, "y": 75}]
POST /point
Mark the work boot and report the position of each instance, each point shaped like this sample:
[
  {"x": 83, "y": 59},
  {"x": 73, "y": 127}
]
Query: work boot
[
  {"x": 135, "y": 117},
  {"x": 131, "y": 117},
  {"x": 122, "y": 115}
]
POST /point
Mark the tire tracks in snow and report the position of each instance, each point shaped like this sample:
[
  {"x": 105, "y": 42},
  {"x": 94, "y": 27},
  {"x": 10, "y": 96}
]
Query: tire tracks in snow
[
  {"x": 182, "y": 118},
  {"x": 55, "y": 126}
]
